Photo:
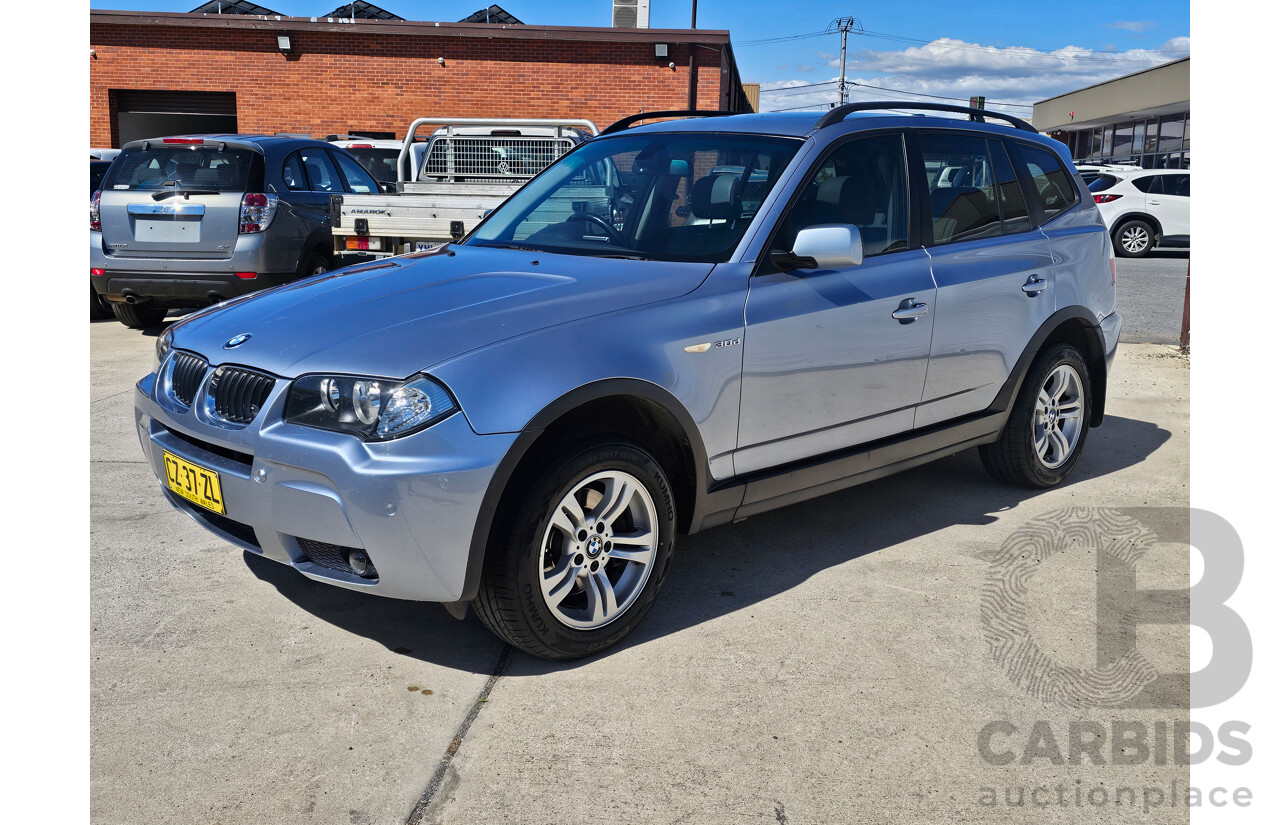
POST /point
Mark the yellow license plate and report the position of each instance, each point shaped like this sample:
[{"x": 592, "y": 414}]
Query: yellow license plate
[{"x": 196, "y": 484}]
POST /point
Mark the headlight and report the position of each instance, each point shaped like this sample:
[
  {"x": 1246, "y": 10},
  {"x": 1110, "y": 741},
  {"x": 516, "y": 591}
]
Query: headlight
[
  {"x": 374, "y": 409},
  {"x": 163, "y": 344}
]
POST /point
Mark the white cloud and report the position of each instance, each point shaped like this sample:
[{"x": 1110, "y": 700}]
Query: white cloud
[
  {"x": 955, "y": 68},
  {"x": 1135, "y": 26}
]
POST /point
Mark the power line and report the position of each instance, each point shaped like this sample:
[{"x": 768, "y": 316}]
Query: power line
[
  {"x": 805, "y": 86},
  {"x": 782, "y": 39}
]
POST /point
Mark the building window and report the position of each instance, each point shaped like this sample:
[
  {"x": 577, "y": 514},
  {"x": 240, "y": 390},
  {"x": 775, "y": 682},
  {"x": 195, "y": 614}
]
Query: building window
[{"x": 1171, "y": 133}]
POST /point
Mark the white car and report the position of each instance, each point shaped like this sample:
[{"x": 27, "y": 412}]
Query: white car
[
  {"x": 1091, "y": 171},
  {"x": 1145, "y": 209}
]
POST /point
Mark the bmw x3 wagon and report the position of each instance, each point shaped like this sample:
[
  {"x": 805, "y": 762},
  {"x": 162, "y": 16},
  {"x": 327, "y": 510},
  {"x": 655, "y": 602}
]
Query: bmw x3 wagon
[{"x": 675, "y": 326}]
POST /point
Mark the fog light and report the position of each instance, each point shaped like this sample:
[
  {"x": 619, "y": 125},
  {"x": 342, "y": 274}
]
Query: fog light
[{"x": 359, "y": 562}]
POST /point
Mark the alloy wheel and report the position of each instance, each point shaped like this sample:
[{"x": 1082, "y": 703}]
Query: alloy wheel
[{"x": 1058, "y": 419}]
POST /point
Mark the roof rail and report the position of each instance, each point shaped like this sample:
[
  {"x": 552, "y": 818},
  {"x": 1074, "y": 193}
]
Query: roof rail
[
  {"x": 838, "y": 114},
  {"x": 636, "y": 118}
]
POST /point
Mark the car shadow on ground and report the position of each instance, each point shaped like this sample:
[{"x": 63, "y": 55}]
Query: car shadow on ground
[{"x": 730, "y": 568}]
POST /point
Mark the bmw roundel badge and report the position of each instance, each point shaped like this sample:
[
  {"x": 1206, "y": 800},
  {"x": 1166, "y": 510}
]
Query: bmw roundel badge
[{"x": 237, "y": 341}]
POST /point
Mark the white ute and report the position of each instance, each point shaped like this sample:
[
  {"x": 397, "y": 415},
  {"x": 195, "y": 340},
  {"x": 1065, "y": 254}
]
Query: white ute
[{"x": 468, "y": 167}]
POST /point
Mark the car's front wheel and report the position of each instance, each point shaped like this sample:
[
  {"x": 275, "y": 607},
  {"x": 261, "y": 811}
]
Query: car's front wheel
[
  {"x": 577, "y": 557},
  {"x": 1133, "y": 239},
  {"x": 1048, "y": 424}
]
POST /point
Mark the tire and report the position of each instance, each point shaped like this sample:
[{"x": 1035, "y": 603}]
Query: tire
[
  {"x": 1027, "y": 453},
  {"x": 1134, "y": 239},
  {"x": 99, "y": 308},
  {"x": 317, "y": 263},
  {"x": 539, "y": 591},
  {"x": 139, "y": 316}
]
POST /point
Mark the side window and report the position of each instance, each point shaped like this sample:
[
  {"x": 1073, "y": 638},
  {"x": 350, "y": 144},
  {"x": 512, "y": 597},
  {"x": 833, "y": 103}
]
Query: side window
[
  {"x": 1151, "y": 184},
  {"x": 1179, "y": 185},
  {"x": 1053, "y": 190},
  {"x": 962, "y": 196},
  {"x": 359, "y": 181},
  {"x": 1013, "y": 206},
  {"x": 294, "y": 177},
  {"x": 863, "y": 183},
  {"x": 320, "y": 172}
]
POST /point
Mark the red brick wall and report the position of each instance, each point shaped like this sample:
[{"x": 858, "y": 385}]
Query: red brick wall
[{"x": 349, "y": 80}]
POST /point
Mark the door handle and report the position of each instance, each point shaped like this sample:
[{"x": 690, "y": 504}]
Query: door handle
[
  {"x": 1154, "y": 202},
  {"x": 909, "y": 310},
  {"x": 1035, "y": 285}
]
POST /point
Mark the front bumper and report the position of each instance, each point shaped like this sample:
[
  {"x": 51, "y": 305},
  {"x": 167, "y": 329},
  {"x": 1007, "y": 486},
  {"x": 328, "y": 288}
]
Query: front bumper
[{"x": 411, "y": 504}]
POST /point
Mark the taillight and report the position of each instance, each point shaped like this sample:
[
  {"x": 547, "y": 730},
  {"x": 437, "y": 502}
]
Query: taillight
[
  {"x": 246, "y": 276},
  {"x": 94, "y": 222},
  {"x": 256, "y": 212},
  {"x": 198, "y": 141},
  {"x": 97, "y": 272},
  {"x": 1106, "y": 198},
  {"x": 360, "y": 146}
]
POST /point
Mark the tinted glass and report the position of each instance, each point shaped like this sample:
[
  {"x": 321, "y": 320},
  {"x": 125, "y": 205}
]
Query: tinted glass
[
  {"x": 1171, "y": 133},
  {"x": 1013, "y": 206},
  {"x": 359, "y": 181},
  {"x": 1103, "y": 182},
  {"x": 1053, "y": 190},
  {"x": 962, "y": 196},
  {"x": 863, "y": 183},
  {"x": 294, "y": 177},
  {"x": 97, "y": 169},
  {"x": 183, "y": 167},
  {"x": 1146, "y": 183},
  {"x": 381, "y": 163},
  {"x": 320, "y": 172},
  {"x": 672, "y": 197},
  {"x": 1179, "y": 185}
]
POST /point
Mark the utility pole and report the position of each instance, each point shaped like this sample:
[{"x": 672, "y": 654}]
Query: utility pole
[
  {"x": 693, "y": 69},
  {"x": 844, "y": 25}
]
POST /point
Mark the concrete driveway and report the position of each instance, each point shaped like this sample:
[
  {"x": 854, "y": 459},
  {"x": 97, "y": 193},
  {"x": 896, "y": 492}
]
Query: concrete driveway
[{"x": 835, "y": 661}]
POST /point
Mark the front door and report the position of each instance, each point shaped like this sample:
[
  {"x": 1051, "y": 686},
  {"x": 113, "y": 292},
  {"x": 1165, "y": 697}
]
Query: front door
[{"x": 825, "y": 364}]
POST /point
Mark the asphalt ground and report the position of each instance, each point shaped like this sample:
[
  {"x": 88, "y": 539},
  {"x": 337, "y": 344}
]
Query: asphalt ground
[
  {"x": 835, "y": 661},
  {"x": 1149, "y": 296}
]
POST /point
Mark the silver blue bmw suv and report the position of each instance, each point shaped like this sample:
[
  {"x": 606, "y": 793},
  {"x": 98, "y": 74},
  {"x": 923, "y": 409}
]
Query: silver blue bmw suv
[{"x": 675, "y": 326}]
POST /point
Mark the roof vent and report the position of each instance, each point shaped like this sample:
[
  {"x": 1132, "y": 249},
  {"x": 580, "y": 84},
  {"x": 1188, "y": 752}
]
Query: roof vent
[{"x": 631, "y": 14}]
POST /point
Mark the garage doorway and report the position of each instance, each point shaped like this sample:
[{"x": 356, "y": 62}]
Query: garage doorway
[{"x": 151, "y": 114}]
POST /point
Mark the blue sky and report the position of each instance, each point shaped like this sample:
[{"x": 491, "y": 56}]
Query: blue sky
[{"x": 1012, "y": 52}]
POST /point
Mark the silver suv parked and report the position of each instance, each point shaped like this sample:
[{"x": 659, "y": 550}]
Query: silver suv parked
[
  {"x": 190, "y": 221},
  {"x": 675, "y": 326}
]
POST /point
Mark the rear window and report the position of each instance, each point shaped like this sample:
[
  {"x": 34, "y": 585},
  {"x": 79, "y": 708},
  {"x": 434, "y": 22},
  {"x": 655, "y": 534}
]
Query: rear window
[
  {"x": 381, "y": 163},
  {"x": 1103, "y": 182},
  {"x": 186, "y": 167}
]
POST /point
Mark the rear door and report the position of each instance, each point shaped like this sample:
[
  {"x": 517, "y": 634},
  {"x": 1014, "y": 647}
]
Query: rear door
[
  {"x": 994, "y": 271},
  {"x": 826, "y": 365},
  {"x": 1169, "y": 201},
  {"x": 177, "y": 198}
]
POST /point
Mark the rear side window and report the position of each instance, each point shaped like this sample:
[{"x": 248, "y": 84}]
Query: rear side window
[
  {"x": 1013, "y": 205},
  {"x": 358, "y": 180},
  {"x": 1148, "y": 183},
  {"x": 186, "y": 167},
  {"x": 294, "y": 177},
  {"x": 962, "y": 195},
  {"x": 320, "y": 172},
  {"x": 1053, "y": 190}
]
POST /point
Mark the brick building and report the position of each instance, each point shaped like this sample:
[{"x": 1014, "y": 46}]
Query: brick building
[{"x": 162, "y": 73}]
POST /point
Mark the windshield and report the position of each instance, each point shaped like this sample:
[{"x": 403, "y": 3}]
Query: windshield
[
  {"x": 669, "y": 197},
  {"x": 381, "y": 163},
  {"x": 185, "y": 167}
]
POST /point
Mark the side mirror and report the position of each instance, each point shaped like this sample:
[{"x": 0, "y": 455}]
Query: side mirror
[{"x": 825, "y": 246}]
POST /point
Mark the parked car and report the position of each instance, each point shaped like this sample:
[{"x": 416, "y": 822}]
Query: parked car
[
  {"x": 1146, "y": 209},
  {"x": 524, "y": 420},
  {"x": 99, "y": 309},
  {"x": 378, "y": 157},
  {"x": 193, "y": 220},
  {"x": 1091, "y": 171}
]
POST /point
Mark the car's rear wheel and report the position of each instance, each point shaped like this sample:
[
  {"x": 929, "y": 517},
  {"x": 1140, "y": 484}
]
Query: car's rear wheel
[
  {"x": 139, "y": 316},
  {"x": 317, "y": 263},
  {"x": 574, "y": 563},
  {"x": 1048, "y": 424},
  {"x": 99, "y": 309},
  {"x": 1133, "y": 239}
]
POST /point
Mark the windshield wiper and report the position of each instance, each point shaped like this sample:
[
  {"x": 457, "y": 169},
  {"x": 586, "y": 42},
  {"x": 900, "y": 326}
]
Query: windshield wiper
[
  {"x": 515, "y": 247},
  {"x": 625, "y": 256},
  {"x": 169, "y": 193}
]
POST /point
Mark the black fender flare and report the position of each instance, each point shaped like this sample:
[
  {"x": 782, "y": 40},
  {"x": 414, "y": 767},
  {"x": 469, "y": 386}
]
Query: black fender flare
[
  {"x": 1142, "y": 216},
  {"x": 529, "y": 434},
  {"x": 1096, "y": 358}
]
